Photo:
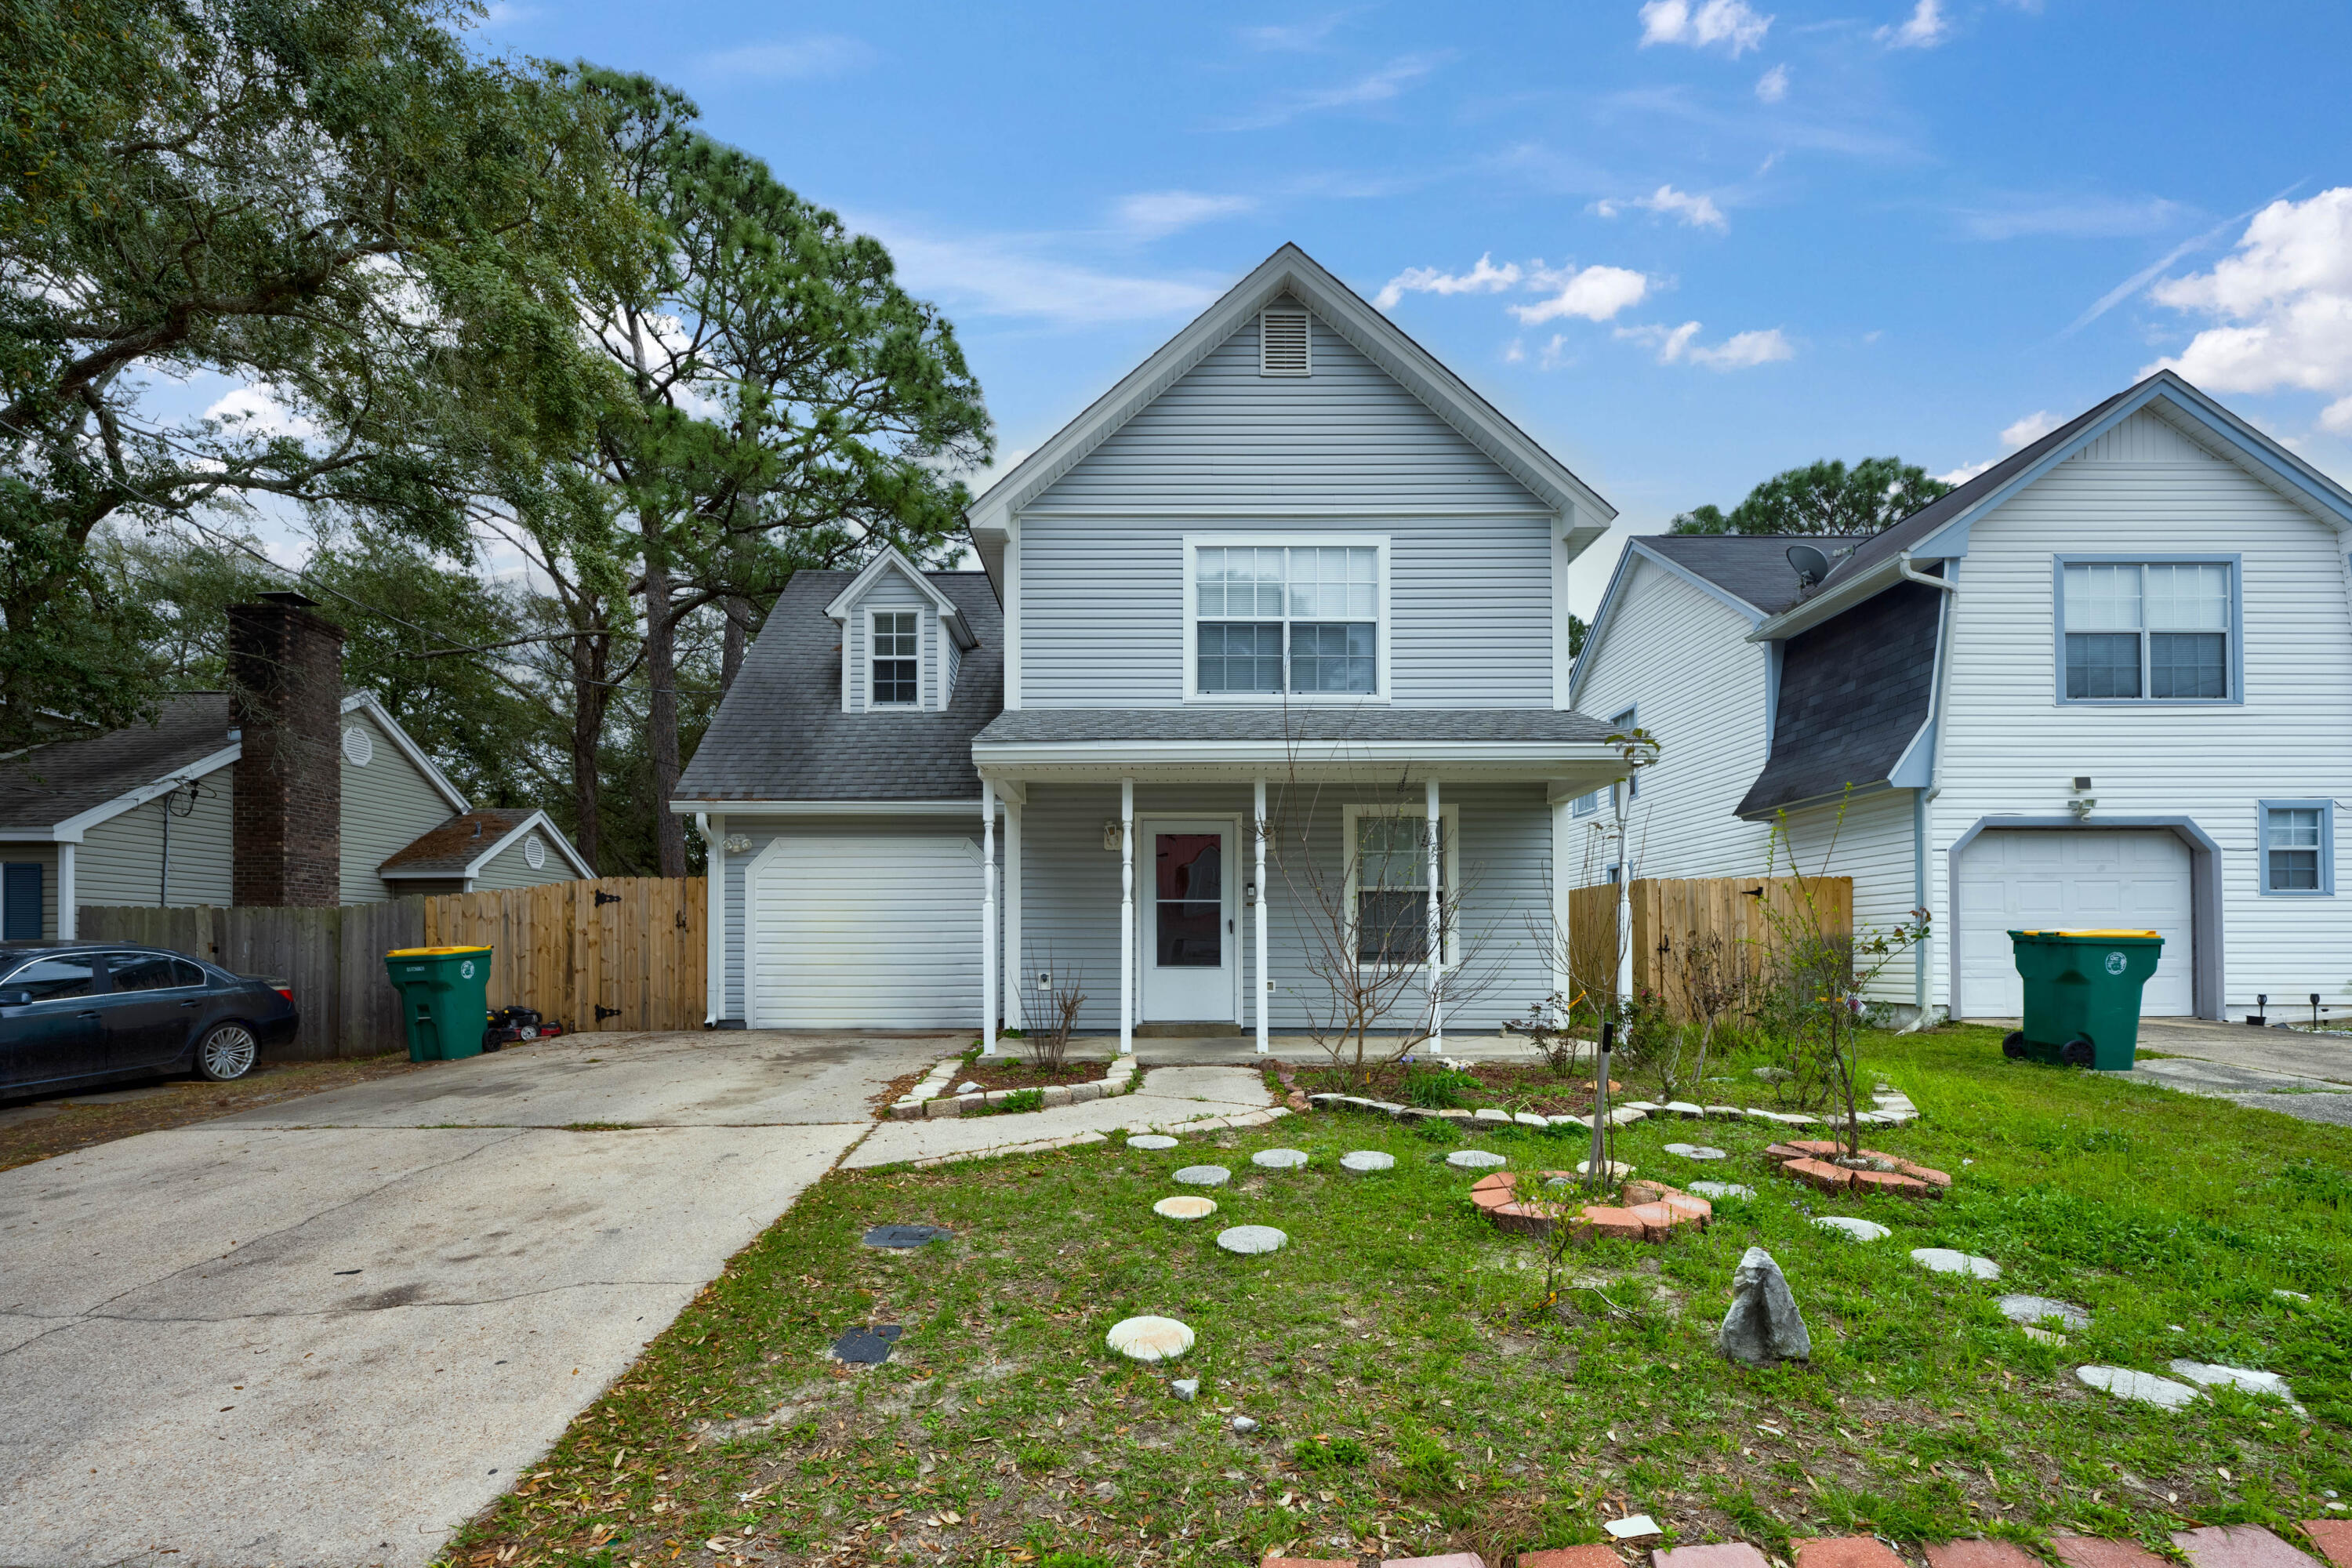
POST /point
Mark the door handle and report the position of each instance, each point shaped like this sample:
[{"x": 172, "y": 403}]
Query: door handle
[
  {"x": 87, "y": 1013},
  {"x": 190, "y": 1003}
]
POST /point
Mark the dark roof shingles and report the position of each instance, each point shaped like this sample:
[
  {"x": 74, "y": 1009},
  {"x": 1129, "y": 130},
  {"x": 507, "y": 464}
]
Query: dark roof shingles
[
  {"x": 1751, "y": 567},
  {"x": 449, "y": 849},
  {"x": 44, "y": 786},
  {"x": 1853, "y": 692}
]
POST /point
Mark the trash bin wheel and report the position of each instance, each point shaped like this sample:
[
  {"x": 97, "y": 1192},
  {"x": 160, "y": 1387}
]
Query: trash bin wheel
[
  {"x": 2013, "y": 1043},
  {"x": 2075, "y": 1053}
]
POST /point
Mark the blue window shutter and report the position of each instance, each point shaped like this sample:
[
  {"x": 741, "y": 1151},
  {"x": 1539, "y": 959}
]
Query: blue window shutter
[{"x": 20, "y": 891}]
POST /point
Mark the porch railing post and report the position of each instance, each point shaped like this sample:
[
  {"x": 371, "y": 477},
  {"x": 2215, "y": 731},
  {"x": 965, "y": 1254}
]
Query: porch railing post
[
  {"x": 1264, "y": 982},
  {"x": 1436, "y": 924},
  {"x": 1126, "y": 917},
  {"x": 1016, "y": 1014},
  {"x": 987, "y": 917}
]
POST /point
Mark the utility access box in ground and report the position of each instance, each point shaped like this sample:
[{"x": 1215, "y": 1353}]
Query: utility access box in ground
[
  {"x": 444, "y": 999},
  {"x": 2081, "y": 995}
]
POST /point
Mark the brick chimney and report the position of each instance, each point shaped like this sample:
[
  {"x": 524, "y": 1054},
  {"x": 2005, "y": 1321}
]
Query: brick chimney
[{"x": 286, "y": 692}]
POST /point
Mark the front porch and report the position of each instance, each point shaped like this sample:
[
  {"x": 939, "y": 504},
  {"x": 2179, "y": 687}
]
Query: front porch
[{"x": 1230, "y": 883}]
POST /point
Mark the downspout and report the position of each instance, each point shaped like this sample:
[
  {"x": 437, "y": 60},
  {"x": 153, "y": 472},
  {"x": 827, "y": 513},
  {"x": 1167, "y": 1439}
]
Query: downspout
[{"x": 1919, "y": 798}]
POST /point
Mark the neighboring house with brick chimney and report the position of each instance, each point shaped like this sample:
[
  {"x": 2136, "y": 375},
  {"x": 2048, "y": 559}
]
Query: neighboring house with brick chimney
[{"x": 285, "y": 791}]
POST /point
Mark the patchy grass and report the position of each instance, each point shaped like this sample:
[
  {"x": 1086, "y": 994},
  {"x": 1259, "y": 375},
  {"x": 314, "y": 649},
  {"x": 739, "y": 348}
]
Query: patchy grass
[{"x": 1414, "y": 1394}]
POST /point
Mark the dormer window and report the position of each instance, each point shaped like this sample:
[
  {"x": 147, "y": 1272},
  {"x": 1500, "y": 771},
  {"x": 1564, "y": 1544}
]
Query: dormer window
[
  {"x": 1283, "y": 343},
  {"x": 895, "y": 661}
]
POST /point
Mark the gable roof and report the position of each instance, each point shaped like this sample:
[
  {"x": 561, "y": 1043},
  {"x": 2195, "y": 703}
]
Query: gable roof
[
  {"x": 66, "y": 786},
  {"x": 780, "y": 733},
  {"x": 1292, "y": 271},
  {"x": 365, "y": 702},
  {"x": 462, "y": 846},
  {"x": 891, "y": 560}
]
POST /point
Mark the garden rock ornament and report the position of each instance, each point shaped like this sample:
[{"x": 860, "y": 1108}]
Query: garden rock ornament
[{"x": 1764, "y": 1326}]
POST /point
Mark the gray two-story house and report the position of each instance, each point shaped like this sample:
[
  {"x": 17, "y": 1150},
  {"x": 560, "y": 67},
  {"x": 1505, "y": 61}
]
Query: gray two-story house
[{"x": 1279, "y": 601}]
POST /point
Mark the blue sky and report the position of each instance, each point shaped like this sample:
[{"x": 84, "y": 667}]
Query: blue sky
[{"x": 1685, "y": 243}]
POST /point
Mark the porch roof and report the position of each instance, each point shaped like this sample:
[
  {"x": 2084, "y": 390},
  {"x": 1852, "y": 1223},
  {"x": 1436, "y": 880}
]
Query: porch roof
[{"x": 1239, "y": 742}]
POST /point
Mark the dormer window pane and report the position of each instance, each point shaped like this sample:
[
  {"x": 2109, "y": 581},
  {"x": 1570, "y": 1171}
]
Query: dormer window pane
[{"x": 898, "y": 650}]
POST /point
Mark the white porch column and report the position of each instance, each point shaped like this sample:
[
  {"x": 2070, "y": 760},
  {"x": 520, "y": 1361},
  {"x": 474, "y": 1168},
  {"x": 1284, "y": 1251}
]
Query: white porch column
[
  {"x": 1016, "y": 1015},
  {"x": 1264, "y": 981},
  {"x": 714, "y": 918},
  {"x": 1126, "y": 917},
  {"x": 68, "y": 916},
  {"x": 1624, "y": 901},
  {"x": 987, "y": 917},
  {"x": 1436, "y": 924},
  {"x": 1563, "y": 829}
]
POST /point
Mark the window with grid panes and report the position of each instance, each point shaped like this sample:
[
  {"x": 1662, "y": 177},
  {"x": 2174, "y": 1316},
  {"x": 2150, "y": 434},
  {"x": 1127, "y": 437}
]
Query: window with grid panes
[
  {"x": 2157, "y": 631},
  {"x": 897, "y": 656},
  {"x": 1301, "y": 619},
  {"x": 1392, "y": 889}
]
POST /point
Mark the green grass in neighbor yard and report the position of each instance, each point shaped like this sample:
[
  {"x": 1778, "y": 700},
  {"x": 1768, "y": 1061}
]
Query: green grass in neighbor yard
[{"x": 1414, "y": 1396}]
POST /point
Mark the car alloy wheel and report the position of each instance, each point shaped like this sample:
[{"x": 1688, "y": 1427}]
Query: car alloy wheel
[{"x": 228, "y": 1053}]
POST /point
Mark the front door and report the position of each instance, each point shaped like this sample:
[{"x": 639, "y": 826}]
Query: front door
[{"x": 1188, "y": 921}]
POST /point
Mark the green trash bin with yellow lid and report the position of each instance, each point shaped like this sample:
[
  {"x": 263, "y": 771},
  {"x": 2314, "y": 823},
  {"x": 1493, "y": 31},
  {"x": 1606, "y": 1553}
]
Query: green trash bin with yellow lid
[
  {"x": 444, "y": 999},
  {"x": 2081, "y": 995}
]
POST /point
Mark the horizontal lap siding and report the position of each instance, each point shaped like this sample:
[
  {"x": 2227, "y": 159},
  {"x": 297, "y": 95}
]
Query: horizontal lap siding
[
  {"x": 1680, "y": 658},
  {"x": 121, "y": 859},
  {"x": 893, "y": 592},
  {"x": 387, "y": 805},
  {"x": 1102, "y": 590},
  {"x": 2013, "y": 748},
  {"x": 1869, "y": 838},
  {"x": 1071, "y": 891},
  {"x": 511, "y": 867}
]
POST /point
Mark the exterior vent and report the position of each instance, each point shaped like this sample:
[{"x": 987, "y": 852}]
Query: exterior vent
[{"x": 1282, "y": 344}]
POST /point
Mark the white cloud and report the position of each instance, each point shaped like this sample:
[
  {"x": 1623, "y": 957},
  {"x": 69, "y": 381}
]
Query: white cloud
[
  {"x": 1699, "y": 212},
  {"x": 2029, "y": 430},
  {"x": 794, "y": 60},
  {"x": 1966, "y": 472},
  {"x": 1150, "y": 214},
  {"x": 1375, "y": 86},
  {"x": 2070, "y": 218},
  {"x": 1595, "y": 294},
  {"x": 1484, "y": 278},
  {"x": 1726, "y": 22},
  {"x": 2280, "y": 307},
  {"x": 1923, "y": 29},
  {"x": 1774, "y": 85},
  {"x": 256, "y": 410},
  {"x": 1301, "y": 36},
  {"x": 1030, "y": 276},
  {"x": 1741, "y": 351}
]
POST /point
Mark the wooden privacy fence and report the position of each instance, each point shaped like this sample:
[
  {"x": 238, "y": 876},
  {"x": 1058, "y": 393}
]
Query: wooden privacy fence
[
  {"x": 1731, "y": 930},
  {"x": 619, "y": 952}
]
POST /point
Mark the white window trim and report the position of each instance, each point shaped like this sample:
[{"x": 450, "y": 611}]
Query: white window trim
[
  {"x": 1449, "y": 819},
  {"x": 1384, "y": 675},
  {"x": 919, "y": 617}
]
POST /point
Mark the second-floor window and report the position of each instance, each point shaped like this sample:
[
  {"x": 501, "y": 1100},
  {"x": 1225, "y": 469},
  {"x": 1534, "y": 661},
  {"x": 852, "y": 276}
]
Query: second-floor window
[
  {"x": 897, "y": 680},
  {"x": 2152, "y": 631},
  {"x": 1276, "y": 619}
]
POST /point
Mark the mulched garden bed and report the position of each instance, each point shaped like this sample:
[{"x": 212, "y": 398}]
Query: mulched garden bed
[
  {"x": 1014, "y": 1072},
  {"x": 1513, "y": 1085}
]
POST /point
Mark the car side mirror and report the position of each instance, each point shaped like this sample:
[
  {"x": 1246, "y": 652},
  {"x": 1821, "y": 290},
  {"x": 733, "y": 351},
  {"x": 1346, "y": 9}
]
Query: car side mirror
[{"x": 15, "y": 998}]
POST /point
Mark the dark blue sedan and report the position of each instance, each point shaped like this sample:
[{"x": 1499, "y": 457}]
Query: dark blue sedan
[{"x": 76, "y": 1013}]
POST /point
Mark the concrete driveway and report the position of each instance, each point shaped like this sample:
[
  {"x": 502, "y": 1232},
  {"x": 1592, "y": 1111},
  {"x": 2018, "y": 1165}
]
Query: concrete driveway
[{"x": 329, "y": 1331}]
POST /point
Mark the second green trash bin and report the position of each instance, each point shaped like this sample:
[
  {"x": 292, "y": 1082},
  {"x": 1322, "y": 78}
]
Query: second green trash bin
[
  {"x": 2081, "y": 995},
  {"x": 444, "y": 999}
]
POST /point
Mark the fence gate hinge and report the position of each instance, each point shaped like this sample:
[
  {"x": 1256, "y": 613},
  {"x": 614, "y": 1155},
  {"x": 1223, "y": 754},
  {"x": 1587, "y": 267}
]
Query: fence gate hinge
[
  {"x": 604, "y": 897},
  {"x": 605, "y": 1013}
]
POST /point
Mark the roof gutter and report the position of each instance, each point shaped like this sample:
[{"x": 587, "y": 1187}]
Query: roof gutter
[{"x": 1868, "y": 585}]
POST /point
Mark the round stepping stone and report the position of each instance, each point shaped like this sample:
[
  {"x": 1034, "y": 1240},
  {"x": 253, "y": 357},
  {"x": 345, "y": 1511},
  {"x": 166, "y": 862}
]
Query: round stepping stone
[
  {"x": 1150, "y": 1140},
  {"x": 1693, "y": 1151},
  {"x": 1204, "y": 1176},
  {"x": 1362, "y": 1159},
  {"x": 2038, "y": 1309},
  {"x": 1252, "y": 1238},
  {"x": 1723, "y": 1189},
  {"x": 1944, "y": 1261},
  {"x": 1150, "y": 1337},
  {"x": 1474, "y": 1159},
  {"x": 1279, "y": 1159},
  {"x": 1618, "y": 1169},
  {"x": 2125, "y": 1384},
  {"x": 1858, "y": 1229},
  {"x": 1185, "y": 1207}
]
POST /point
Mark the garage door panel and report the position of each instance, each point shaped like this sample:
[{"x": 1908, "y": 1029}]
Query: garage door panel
[
  {"x": 874, "y": 932},
  {"x": 2029, "y": 879}
]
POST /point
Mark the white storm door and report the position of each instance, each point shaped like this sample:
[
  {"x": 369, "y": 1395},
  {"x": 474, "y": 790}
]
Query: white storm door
[
  {"x": 1189, "y": 926},
  {"x": 2073, "y": 879}
]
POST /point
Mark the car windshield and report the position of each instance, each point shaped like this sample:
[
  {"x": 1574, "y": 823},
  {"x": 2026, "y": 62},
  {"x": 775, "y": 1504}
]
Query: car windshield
[{"x": 47, "y": 977}]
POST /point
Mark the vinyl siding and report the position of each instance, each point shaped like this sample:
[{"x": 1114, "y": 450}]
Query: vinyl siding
[
  {"x": 387, "y": 805},
  {"x": 508, "y": 868},
  {"x": 1071, "y": 892},
  {"x": 2013, "y": 748},
  {"x": 892, "y": 592},
  {"x": 1678, "y": 655},
  {"x": 1102, "y": 577},
  {"x": 45, "y": 856},
  {"x": 121, "y": 859},
  {"x": 1870, "y": 839}
]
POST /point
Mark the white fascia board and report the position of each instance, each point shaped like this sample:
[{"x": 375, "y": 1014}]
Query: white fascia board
[
  {"x": 409, "y": 749},
  {"x": 1292, "y": 271},
  {"x": 891, "y": 560},
  {"x": 539, "y": 820},
  {"x": 1812, "y": 612},
  {"x": 1243, "y": 760},
  {"x": 968, "y": 807},
  {"x": 70, "y": 830}
]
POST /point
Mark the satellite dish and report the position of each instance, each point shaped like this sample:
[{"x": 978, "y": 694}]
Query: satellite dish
[{"x": 1811, "y": 564}]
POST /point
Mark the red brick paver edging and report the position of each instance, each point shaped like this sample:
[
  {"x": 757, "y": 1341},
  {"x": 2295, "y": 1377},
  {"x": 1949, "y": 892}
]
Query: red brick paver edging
[
  {"x": 1812, "y": 1162},
  {"x": 2334, "y": 1539},
  {"x": 1651, "y": 1211}
]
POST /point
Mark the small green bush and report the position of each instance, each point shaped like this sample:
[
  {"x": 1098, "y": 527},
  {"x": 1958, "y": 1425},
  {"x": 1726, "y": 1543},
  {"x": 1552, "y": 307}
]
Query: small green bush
[
  {"x": 1020, "y": 1100},
  {"x": 1338, "y": 1454},
  {"x": 1440, "y": 1089}
]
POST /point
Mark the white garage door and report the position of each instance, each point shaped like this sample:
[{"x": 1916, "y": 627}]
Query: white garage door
[
  {"x": 865, "y": 933},
  {"x": 2064, "y": 878}
]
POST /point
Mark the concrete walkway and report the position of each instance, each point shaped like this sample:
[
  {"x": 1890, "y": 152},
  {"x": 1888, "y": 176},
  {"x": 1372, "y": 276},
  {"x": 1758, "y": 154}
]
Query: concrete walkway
[
  {"x": 1170, "y": 1099},
  {"x": 329, "y": 1331}
]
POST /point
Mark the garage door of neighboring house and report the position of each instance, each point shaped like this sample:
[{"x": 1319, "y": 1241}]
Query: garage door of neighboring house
[
  {"x": 2071, "y": 878},
  {"x": 864, "y": 933}
]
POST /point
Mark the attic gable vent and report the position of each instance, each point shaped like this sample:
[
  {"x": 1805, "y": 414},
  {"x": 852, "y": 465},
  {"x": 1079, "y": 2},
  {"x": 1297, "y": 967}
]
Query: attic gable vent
[{"x": 1282, "y": 344}]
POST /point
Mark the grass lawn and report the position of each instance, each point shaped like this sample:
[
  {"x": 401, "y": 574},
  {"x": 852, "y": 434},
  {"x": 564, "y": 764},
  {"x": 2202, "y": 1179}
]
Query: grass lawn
[{"x": 1416, "y": 1395}]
